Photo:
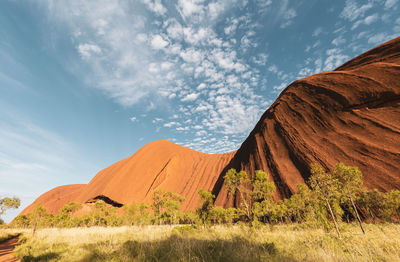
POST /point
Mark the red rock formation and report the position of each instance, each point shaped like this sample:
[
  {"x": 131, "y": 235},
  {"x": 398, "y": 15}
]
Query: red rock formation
[
  {"x": 350, "y": 115},
  {"x": 56, "y": 198},
  {"x": 159, "y": 164}
]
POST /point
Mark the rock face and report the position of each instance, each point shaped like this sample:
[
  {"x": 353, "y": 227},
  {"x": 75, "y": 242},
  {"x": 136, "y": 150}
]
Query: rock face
[
  {"x": 350, "y": 115},
  {"x": 56, "y": 198},
  {"x": 159, "y": 164}
]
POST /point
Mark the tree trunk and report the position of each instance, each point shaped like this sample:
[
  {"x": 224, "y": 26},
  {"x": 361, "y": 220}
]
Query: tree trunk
[
  {"x": 372, "y": 216},
  {"x": 334, "y": 219},
  {"x": 246, "y": 205},
  {"x": 35, "y": 226},
  {"x": 358, "y": 217}
]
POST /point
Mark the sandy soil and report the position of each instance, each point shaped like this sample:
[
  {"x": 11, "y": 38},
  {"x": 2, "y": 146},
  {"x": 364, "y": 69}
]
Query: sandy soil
[{"x": 6, "y": 250}]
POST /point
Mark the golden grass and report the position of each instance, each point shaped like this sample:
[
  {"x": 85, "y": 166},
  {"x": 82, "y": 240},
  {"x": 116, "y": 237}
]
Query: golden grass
[
  {"x": 219, "y": 243},
  {"x": 7, "y": 233}
]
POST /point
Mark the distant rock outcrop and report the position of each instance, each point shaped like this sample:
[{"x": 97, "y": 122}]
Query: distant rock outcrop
[{"x": 350, "y": 115}]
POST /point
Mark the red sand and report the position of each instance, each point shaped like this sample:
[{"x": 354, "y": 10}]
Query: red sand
[
  {"x": 350, "y": 115},
  {"x": 7, "y": 250}
]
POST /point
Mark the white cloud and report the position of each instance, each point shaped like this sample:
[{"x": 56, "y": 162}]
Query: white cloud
[
  {"x": 215, "y": 8},
  {"x": 157, "y": 119},
  {"x": 141, "y": 37},
  {"x": 335, "y": 58},
  {"x": 232, "y": 115},
  {"x": 201, "y": 133},
  {"x": 201, "y": 86},
  {"x": 156, "y": 6},
  {"x": 352, "y": 10},
  {"x": 190, "y": 7},
  {"x": 191, "y": 55},
  {"x": 153, "y": 68},
  {"x": 286, "y": 13},
  {"x": 231, "y": 28},
  {"x": 263, "y": 5},
  {"x": 166, "y": 65},
  {"x": 190, "y": 97},
  {"x": 371, "y": 19},
  {"x": 182, "y": 128},
  {"x": 87, "y": 50},
  {"x": 367, "y": 21},
  {"x": 378, "y": 38},
  {"x": 133, "y": 119},
  {"x": 280, "y": 87},
  {"x": 170, "y": 124},
  {"x": 173, "y": 58},
  {"x": 338, "y": 41},
  {"x": 174, "y": 29},
  {"x": 227, "y": 61},
  {"x": 196, "y": 37},
  {"x": 390, "y": 3},
  {"x": 260, "y": 59},
  {"x": 317, "y": 31},
  {"x": 273, "y": 68},
  {"x": 158, "y": 42}
]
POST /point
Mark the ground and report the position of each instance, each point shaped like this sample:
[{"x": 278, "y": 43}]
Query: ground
[{"x": 297, "y": 242}]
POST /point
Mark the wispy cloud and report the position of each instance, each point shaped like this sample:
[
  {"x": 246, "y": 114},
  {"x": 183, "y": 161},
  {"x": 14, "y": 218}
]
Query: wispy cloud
[
  {"x": 352, "y": 10},
  {"x": 176, "y": 58},
  {"x": 200, "y": 57},
  {"x": 34, "y": 160}
]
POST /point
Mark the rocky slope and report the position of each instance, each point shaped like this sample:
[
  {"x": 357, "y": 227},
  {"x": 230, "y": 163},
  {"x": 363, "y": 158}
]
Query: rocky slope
[
  {"x": 159, "y": 164},
  {"x": 56, "y": 198},
  {"x": 350, "y": 115}
]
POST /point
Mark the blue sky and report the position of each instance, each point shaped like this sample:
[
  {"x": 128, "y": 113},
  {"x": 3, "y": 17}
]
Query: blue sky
[{"x": 84, "y": 84}]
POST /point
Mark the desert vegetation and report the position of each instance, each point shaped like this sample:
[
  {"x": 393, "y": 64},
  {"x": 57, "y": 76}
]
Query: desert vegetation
[
  {"x": 239, "y": 242},
  {"x": 331, "y": 218},
  {"x": 327, "y": 200},
  {"x": 8, "y": 203}
]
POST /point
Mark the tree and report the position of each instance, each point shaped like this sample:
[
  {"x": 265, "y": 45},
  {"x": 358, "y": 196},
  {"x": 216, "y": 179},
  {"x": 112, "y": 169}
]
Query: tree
[
  {"x": 159, "y": 201},
  {"x": 207, "y": 201},
  {"x": 21, "y": 221},
  {"x": 173, "y": 207},
  {"x": 130, "y": 213},
  {"x": 239, "y": 182},
  {"x": 36, "y": 216},
  {"x": 350, "y": 183},
  {"x": 262, "y": 195},
  {"x": 166, "y": 205},
  {"x": 303, "y": 204},
  {"x": 8, "y": 203},
  {"x": 65, "y": 215},
  {"x": 281, "y": 211},
  {"x": 262, "y": 187},
  {"x": 325, "y": 186},
  {"x": 144, "y": 214},
  {"x": 393, "y": 203},
  {"x": 99, "y": 213}
]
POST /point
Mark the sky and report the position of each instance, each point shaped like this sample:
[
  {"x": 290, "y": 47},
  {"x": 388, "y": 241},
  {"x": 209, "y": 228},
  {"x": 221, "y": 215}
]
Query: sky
[{"x": 84, "y": 84}]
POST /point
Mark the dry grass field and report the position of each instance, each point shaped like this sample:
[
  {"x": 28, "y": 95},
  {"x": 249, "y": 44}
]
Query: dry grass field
[{"x": 219, "y": 243}]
